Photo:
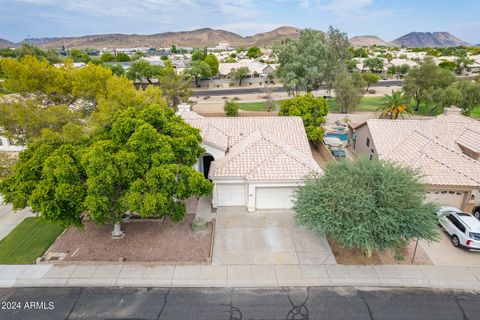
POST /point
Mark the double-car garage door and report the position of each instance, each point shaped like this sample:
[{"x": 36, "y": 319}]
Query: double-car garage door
[
  {"x": 274, "y": 197},
  {"x": 447, "y": 198},
  {"x": 229, "y": 195}
]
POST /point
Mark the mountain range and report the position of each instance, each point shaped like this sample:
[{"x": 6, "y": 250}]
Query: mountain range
[{"x": 211, "y": 37}]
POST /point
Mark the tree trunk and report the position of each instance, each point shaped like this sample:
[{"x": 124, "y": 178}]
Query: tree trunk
[
  {"x": 368, "y": 87},
  {"x": 368, "y": 252},
  {"x": 117, "y": 232},
  {"x": 240, "y": 83},
  {"x": 196, "y": 82}
]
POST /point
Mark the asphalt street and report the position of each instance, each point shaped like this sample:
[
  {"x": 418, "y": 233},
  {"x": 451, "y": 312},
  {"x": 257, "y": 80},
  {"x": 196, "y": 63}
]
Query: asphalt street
[
  {"x": 258, "y": 90},
  {"x": 236, "y": 304}
]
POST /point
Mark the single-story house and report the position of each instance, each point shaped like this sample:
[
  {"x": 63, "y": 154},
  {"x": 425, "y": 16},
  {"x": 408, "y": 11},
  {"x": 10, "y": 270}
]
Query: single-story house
[
  {"x": 256, "y": 162},
  {"x": 446, "y": 150},
  {"x": 256, "y": 68}
]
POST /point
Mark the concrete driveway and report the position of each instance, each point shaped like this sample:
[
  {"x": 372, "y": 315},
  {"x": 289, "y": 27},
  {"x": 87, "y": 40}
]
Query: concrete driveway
[
  {"x": 266, "y": 238},
  {"x": 9, "y": 218},
  {"x": 443, "y": 253}
]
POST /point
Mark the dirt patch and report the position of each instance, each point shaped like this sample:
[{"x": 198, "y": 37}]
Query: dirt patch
[
  {"x": 145, "y": 240},
  {"x": 356, "y": 256}
]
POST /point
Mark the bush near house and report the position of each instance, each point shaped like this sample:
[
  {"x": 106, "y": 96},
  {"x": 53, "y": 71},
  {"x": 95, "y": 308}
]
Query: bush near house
[
  {"x": 371, "y": 205},
  {"x": 230, "y": 108},
  {"x": 312, "y": 110},
  {"x": 28, "y": 241}
]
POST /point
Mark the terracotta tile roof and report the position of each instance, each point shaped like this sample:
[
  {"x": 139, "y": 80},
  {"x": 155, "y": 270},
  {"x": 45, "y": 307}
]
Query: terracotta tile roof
[
  {"x": 262, "y": 156},
  {"x": 432, "y": 146},
  {"x": 258, "y": 148},
  {"x": 470, "y": 139}
]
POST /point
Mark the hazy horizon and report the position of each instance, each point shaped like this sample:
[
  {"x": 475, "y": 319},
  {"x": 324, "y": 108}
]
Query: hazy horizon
[{"x": 386, "y": 19}]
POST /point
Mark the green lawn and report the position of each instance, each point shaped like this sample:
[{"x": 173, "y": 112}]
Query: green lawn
[
  {"x": 366, "y": 104},
  {"x": 254, "y": 106},
  {"x": 28, "y": 241}
]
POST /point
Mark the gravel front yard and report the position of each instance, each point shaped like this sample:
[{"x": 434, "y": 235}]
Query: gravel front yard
[{"x": 148, "y": 241}]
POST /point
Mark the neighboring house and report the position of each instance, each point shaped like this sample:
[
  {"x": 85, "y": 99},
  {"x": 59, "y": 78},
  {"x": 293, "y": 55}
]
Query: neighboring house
[
  {"x": 256, "y": 68},
  {"x": 445, "y": 149},
  {"x": 7, "y": 146},
  {"x": 256, "y": 162}
]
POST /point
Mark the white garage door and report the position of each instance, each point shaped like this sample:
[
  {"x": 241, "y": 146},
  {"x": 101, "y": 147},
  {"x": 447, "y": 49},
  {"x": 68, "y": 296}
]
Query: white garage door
[
  {"x": 447, "y": 198},
  {"x": 274, "y": 197},
  {"x": 229, "y": 195}
]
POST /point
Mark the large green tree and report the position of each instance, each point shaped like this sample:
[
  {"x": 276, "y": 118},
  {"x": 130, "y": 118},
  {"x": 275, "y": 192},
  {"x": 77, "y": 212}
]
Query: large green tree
[
  {"x": 422, "y": 82},
  {"x": 463, "y": 93},
  {"x": 175, "y": 87},
  {"x": 197, "y": 70},
  {"x": 372, "y": 205},
  {"x": 374, "y": 64},
  {"x": 311, "y": 61},
  {"x": 312, "y": 110},
  {"x": 139, "y": 162},
  {"x": 212, "y": 61},
  {"x": 240, "y": 74},
  {"x": 349, "y": 90},
  {"x": 142, "y": 69},
  {"x": 254, "y": 52}
]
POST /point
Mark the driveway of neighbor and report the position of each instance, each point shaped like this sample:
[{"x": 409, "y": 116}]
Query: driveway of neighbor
[
  {"x": 443, "y": 253},
  {"x": 268, "y": 237}
]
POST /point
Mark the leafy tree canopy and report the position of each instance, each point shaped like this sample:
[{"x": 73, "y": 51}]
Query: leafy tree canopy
[
  {"x": 240, "y": 74},
  {"x": 122, "y": 57},
  {"x": 372, "y": 205},
  {"x": 142, "y": 69},
  {"x": 107, "y": 57},
  {"x": 312, "y": 110},
  {"x": 254, "y": 52},
  {"x": 138, "y": 162},
  {"x": 198, "y": 69},
  {"x": 349, "y": 90},
  {"x": 79, "y": 56},
  {"x": 311, "y": 61},
  {"x": 212, "y": 61},
  {"x": 422, "y": 82}
]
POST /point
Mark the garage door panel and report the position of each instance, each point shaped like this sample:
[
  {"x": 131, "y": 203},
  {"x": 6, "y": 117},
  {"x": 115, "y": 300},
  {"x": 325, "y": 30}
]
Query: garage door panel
[
  {"x": 274, "y": 197},
  {"x": 231, "y": 195},
  {"x": 447, "y": 198}
]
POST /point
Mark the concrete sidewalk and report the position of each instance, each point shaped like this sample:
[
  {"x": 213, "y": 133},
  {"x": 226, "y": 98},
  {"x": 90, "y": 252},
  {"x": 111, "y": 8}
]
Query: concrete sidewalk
[
  {"x": 127, "y": 275},
  {"x": 9, "y": 218}
]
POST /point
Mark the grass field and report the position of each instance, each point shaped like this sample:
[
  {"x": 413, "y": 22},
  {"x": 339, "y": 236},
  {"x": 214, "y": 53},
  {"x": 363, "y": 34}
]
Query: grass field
[
  {"x": 254, "y": 106},
  {"x": 28, "y": 241},
  {"x": 366, "y": 104}
]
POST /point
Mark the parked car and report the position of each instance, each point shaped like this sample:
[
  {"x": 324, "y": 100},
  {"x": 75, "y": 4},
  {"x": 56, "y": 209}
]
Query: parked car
[{"x": 463, "y": 228}]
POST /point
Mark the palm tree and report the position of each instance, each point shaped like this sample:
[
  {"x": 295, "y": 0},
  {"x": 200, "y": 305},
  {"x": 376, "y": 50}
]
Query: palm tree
[{"x": 395, "y": 105}]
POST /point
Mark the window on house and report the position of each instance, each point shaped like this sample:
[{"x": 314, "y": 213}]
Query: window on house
[
  {"x": 371, "y": 156},
  {"x": 368, "y": 142},
  {"x": 372, "y": 151}
]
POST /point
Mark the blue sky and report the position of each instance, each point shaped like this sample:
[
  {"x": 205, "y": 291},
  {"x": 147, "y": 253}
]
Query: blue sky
[{"x": 388, "y": 19}]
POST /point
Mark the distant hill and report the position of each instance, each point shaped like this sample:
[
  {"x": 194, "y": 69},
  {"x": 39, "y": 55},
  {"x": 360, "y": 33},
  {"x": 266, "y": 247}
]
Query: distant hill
[
  {"x": 6, "y": 44},
  {"x": 196, "y": 38},
  {"x": 267, "y": 39},
  {"x": 367, "y": 41},
  {"x": 429, "y": 39}
]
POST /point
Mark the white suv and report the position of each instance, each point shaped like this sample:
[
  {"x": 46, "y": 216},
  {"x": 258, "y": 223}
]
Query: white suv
[{"x": 463, "y": 228}]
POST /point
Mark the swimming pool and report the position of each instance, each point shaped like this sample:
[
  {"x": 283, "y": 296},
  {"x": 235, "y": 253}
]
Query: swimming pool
[{"x": 341, "y": 136}]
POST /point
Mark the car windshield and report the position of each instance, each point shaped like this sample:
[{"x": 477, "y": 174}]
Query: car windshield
[{"x": 475, "y": 236}]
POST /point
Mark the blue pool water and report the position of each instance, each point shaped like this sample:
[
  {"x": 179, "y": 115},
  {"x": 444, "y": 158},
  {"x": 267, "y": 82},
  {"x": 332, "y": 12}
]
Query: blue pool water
[{"x": 341, "y": 136}]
